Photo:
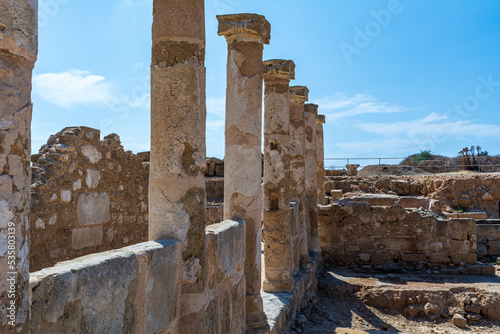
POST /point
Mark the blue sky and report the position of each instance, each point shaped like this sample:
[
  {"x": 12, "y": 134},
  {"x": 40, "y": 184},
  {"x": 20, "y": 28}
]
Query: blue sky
[{"x": 393, "y": 77}]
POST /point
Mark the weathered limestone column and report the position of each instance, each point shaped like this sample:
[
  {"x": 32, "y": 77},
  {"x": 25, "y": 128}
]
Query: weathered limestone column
[
  {"x": 320, "y": 158},
  {"x": 311, "y": 111},
  {"x": 278, "y": 227},
  {"x": 298, "y": 96},
  {"x": 18, "y": 52},
  {"x": 246, "y": 35},
  {"x": 177, "y": 192}
]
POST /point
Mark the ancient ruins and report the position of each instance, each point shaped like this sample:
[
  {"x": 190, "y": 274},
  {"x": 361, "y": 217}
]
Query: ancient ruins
[{"x": 97, "y": 239}]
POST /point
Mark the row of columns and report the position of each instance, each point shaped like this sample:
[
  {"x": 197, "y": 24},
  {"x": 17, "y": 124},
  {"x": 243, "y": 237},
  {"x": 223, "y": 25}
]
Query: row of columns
[
  {"x": 177, "y": 192},
  {"x": 290, "y": 162}
]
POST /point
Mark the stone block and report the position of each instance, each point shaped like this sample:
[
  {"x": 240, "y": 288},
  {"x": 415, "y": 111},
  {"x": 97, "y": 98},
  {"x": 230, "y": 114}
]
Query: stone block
[
  {"x": 487, "y": 270},
  {"x": 381, "y": 258},
  {"x": 414, "y": 257},
  {"x": 400, "y": 244},
  {"x": 93, "y": 209},
  {"x": 211, "y": 169},
  {"x": 133, "y": 289},
  {"x": 439, "y": 258},
  {"x": 441, "y": 229},
  {"x": 225, "y": 250},
  {"x": 336, "y": 193},
  {"x": 474, "y": 270},
  {"x": 400, "y": 187},
  {"x": 219, "y": 170},
  {"x": 382, "y": 184},
  {"x": 86, "y": 237},
  {"x": 459, "y": 247},
  {"x": 413, "y": 202}
]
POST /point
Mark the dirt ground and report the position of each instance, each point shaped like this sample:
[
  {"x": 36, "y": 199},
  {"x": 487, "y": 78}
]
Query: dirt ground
[{"x": 344, "y": 298}]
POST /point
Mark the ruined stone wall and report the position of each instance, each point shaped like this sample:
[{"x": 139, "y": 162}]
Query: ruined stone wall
[
  {"x": 88, "y": 196},
  {"x": 473, "y": 192},
  {"x": 357, "y": 233},
  {"x": 131, "y": 290},
  {"x": 488, "y": 239}
]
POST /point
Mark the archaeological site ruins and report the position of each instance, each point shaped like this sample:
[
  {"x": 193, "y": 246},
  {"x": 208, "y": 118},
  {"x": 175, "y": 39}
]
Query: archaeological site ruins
[{"x": 96, "y": 239}]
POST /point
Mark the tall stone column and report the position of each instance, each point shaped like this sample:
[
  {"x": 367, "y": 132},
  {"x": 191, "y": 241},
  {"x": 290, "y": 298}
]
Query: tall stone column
[
  {"x": 320, "y": 158},
  {"x": 311, "y": 111},
  {"x": 246, "y": 35},
  {"x": 18, "y": 52},
  {"x": 279, "y": 266},
  {"x": 177, "y": 192},
  {"x": 298, "y": 96}
]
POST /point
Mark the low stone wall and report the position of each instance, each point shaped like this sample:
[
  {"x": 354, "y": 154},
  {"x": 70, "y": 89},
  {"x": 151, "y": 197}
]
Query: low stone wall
[
  {"x": 131, "y": 290},
  {"x": 225, "y": 291},
  {"x": 488, "y": 240},
  {"x": 476, "y": 192},
  {"x": 357, "y": 233},
  {"x": 282, "y": 308},
  {"x": 88, "y": 196},
  {"x": 135, "y": 289}
]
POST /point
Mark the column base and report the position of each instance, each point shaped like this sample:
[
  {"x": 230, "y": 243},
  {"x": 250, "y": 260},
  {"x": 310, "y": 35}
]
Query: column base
[
  {"x": 257, "y": 324},
  {"x": 278, "y": 286},
  {"x": 305, "y": 261}
]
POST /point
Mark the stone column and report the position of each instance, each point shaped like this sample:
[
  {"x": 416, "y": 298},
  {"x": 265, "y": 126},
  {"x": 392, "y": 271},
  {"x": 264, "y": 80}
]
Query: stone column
[
  {"x": 311, "y": 111},
  {"x": 246, "y": 35},
  {"x": 320, "y": 158},
  {"x": 278, "y": 262},
  {"x": 177, "y": 192},
  {"x": 298, "y": 96},
  {"x": 18, "y": 52}
]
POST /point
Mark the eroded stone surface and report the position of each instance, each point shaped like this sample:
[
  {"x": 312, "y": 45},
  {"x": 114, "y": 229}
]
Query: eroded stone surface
[
  {"x": 177, "y": 193},
  {"x": 133, "y": 289},
  {"x": 320, "y": 158},
  {"x": 18, "y": 52},
  {"x": 298, "y": 96},
  {"x": 311, "y": 111},
  {"x": 278, "y": 250},
  {"x": 245, "y": 34}
]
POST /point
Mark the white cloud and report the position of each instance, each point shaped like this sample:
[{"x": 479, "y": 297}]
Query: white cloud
[
  {"x": 341, "y": 106},
  {"x": 216, "y": 106},
  {"x": 432, "y": 125},
  {"x": 71, "y": 88}
]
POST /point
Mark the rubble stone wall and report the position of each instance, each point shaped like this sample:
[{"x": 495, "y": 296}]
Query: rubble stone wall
[
  {"x": 357, "y": 233},
  {"x": 471, "y": 192},
  {"x": 88, "y": 196}
]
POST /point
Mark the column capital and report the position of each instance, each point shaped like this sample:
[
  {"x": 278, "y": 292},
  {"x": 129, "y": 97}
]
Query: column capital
[
  {"x": 321, "y": 119},
  {"x": 245, "y": 26},
  {"x": 311, "y": 108},
  {"x": 279, "y": 69},
  {"x": 299, "y": 94}
]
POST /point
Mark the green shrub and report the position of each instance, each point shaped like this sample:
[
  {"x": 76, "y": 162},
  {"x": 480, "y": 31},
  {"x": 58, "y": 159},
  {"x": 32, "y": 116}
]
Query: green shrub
[{"x": 423, "y": 155}]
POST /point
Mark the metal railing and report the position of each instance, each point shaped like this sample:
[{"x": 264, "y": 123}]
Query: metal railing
[{"x": 483, "y": 164}]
